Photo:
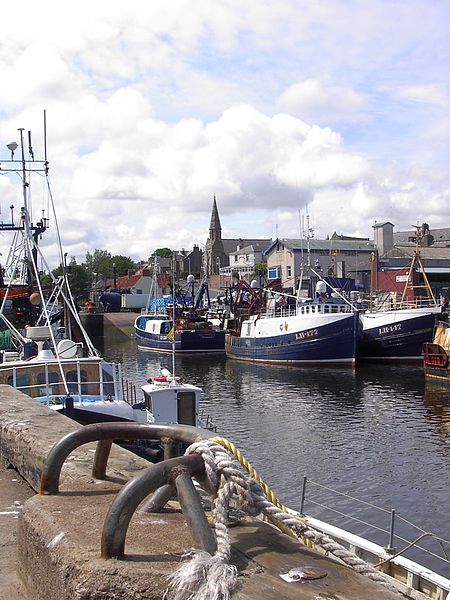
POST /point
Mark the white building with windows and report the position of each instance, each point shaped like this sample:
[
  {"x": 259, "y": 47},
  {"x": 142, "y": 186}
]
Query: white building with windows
[{"x": 244, "y": 259}]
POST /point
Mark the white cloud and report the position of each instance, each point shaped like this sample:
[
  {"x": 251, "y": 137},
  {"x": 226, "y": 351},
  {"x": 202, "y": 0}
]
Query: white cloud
[
  {"x": 433, "y": 94},
  {"x": 154, "y": 107},
  {"x": 312, "y": 100}
]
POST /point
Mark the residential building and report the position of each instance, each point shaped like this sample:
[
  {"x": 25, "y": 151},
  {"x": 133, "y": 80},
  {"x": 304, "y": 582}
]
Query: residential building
[
  {"x": 136, "y": 283},
  {"x": 243, "y": 260},
  {"x": 192, "y": 262},
  {"x": 337, "y": 256}
]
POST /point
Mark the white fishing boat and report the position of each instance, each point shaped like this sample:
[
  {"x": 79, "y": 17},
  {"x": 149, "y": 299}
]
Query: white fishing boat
[{"x": 51, "y": 357}]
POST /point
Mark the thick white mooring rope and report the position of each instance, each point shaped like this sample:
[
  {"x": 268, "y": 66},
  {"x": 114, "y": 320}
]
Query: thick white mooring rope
[{"x": 206, "y": 577}]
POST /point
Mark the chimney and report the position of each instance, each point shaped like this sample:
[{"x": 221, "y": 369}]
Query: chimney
[{"x": 383, "y": 236}]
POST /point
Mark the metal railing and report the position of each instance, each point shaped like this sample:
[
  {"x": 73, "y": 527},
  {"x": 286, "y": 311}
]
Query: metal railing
[
  {"x": 108, "y": 387},
  {"x": 389, "y": 531}
]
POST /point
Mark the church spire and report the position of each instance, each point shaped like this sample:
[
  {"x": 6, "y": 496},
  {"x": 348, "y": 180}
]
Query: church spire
[{"x": 215, "y": 229}]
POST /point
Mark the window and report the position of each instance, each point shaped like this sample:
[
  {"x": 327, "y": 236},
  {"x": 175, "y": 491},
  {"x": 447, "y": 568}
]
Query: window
[
  {"x": 289, "y": 271},
  {"x": 22, "y": 381},
  {"x": 272, "y": 273},
  {"x": 52, "y": 378},
  {"x": 166, "y": 326},
  {"x": 148, "y": 402},
  {"x": 186, "y": 408},
  {"x": 72, "y": 382}
]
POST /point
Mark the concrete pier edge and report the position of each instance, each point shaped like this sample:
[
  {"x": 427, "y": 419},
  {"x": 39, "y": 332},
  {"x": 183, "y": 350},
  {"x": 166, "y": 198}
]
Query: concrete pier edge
[{"x": 59, "y": 536}]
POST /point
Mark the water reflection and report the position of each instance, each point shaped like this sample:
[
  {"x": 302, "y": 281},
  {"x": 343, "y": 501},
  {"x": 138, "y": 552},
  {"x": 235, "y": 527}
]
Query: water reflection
[
  {"x": 437, "y": 405},
  {"x": 377, "y": 433}
]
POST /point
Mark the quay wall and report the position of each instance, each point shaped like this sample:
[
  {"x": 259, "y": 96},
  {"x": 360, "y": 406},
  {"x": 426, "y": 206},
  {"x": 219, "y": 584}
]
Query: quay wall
[
  {"x": 71, "y": 569},
  {"x": 59, "y": 536}
]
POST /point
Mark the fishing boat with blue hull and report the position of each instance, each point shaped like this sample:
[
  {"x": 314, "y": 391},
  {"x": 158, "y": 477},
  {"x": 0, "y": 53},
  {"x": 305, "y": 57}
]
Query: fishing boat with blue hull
[
  {"x": 397, "y": 325},
  {"x": 191, "y": 334},
  {"x": 322, "y": 331},
  {"x": 176, "y": 323},
  {"x": 396, "y": 335}
]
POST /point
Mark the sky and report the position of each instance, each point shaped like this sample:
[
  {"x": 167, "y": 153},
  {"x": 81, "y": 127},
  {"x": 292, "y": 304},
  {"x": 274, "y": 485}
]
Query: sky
[{"x": 291, "y": 112}]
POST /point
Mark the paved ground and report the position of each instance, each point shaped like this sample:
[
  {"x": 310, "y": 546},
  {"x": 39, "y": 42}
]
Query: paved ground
[
  {"x": 122, "y": 321},
  {"x": 13, "y": 493}
]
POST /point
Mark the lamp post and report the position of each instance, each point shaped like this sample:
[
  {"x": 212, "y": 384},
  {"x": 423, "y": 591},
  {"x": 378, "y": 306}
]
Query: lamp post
[
  {"x": 94, "y": 297},
  {"x": 218, "y": 268},
  {"x": 115, "y": 276}
]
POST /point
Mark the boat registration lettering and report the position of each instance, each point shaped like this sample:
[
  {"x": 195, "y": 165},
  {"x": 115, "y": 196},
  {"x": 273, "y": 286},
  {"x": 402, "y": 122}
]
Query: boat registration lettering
[
  {"x": 303, "y": 335},
  {"x": 390, "y": 328}
]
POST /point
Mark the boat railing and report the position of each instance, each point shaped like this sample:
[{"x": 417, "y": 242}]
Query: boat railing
[
  {"x": 307, "y": 308},
  {"x": 45, "y": 381},
  {"x": 395, "y": 534},
  {"x": 387, "y": 301},
  {"x": 129, "y": 392}
]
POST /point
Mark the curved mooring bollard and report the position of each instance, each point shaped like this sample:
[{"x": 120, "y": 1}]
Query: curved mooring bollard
[
  {"x": 176, "y": 471},
  {"x": 105, "y": 433}
]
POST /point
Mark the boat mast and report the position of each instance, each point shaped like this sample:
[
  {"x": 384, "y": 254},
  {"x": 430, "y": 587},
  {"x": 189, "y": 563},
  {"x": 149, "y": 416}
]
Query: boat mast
[
  {"x": 417, "y": 260},
  {"x": 173, "y": 316},
  {"x": 30, "y": 248}
]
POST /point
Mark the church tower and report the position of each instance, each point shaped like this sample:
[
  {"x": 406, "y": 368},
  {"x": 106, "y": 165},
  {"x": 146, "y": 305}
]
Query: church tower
[
  {"x": 215, "y": 254},
  {"x": 215, "y": 229}
]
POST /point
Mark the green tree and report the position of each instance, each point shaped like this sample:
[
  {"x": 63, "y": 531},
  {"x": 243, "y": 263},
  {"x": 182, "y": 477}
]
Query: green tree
[
  {"x": 163, "y": 252},
  {"x": 260, "y": 269},
  {"x": 78, "y": 281},
  {"x": 100, "y": 262},
  {"x": 123, "y": 264}
]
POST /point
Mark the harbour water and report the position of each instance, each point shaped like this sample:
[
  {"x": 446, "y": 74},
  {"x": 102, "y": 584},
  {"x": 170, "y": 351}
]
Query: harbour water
[{"x": 377, "y": 433}]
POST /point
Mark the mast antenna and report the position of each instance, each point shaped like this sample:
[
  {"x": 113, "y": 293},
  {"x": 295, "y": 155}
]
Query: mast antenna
[
  {"x": 30, "y": 147},
  {"x": 45, "y": 143}
]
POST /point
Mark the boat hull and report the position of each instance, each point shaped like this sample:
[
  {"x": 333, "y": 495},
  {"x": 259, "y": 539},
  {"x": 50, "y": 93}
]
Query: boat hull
[
  {"x": 437, "y": 372},
  {"x": 187, "y": 342},
  {"x": 436, "y": 355},
  {"x": 327, "y": 343},
  {"x": 396, "y": 336}
]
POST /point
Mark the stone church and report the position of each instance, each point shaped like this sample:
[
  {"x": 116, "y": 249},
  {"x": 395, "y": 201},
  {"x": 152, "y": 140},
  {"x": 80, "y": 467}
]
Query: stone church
[{"x": 218, "y": 250}]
